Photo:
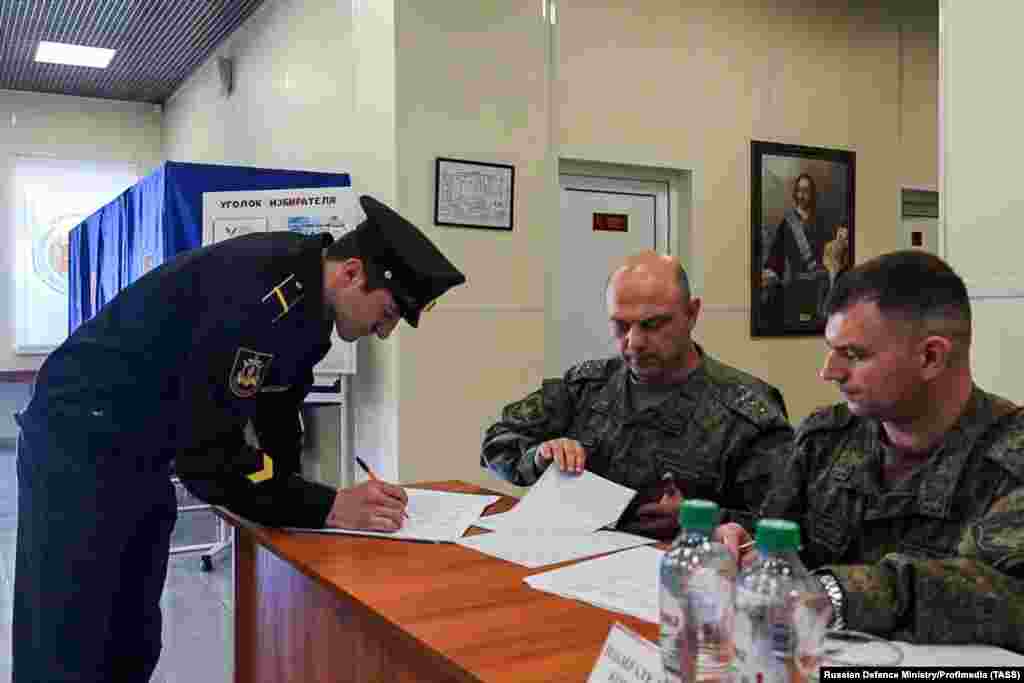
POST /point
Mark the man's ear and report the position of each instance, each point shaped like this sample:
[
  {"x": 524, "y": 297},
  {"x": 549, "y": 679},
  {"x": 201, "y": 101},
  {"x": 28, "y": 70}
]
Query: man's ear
[
  {"x": 693, "y": 311},
  {"x": 936, "y": 355},
  {"x": 352, "y": 272}
]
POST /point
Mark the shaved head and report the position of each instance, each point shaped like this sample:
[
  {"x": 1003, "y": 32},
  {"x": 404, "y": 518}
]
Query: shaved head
[
  {"x": 651, "y": 316},
  {"x": 654, "y": 269}
]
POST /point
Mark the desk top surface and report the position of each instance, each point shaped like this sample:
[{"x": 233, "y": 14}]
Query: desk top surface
[{"x": 472, "y": 609}]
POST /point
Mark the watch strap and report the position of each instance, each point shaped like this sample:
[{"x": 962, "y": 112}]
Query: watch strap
[{"x": 834, "y": 591}]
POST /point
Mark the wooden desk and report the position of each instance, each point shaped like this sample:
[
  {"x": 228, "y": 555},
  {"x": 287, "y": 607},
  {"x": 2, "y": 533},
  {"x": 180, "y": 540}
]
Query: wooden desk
[{"x": 317, "y": 607}]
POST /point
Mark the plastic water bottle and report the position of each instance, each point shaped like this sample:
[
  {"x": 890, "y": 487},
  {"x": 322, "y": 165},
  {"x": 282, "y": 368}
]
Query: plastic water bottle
[
  {"x": 782, "y": 612},
  {"x": 696, "y": 600}
]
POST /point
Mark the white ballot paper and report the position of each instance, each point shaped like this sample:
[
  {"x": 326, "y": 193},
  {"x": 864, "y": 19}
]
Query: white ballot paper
[
  {"x": 539, "y": 547},
  {"x": 439, "y": 516},
  {"x": 625, "y": 582},
  {"x": 581, "y": 502}
]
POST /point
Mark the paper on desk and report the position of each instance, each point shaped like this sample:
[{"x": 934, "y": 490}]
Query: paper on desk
[
  {"x": 581, "y": 502},
  {"x": 439, "y": 516},
  {"x": 625, "y": 582},
  {"x": 539, "y": 547},
  {"x": 492, "y": 522}
]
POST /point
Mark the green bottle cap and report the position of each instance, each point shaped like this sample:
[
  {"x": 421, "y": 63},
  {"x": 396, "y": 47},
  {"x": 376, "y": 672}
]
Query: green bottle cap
[
  {"x": 777, "y": 536},
  {"x": 700, "y": 515}
]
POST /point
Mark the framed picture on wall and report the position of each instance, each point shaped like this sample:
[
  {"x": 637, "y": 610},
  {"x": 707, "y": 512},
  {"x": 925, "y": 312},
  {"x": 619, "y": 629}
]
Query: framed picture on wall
[
  {"x": 802, "y": 234},
  {"x": 473, "y": 194}
]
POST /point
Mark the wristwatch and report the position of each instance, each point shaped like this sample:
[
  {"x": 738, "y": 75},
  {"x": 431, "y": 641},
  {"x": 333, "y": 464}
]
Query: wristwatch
[{"x": 834, "y": 591}]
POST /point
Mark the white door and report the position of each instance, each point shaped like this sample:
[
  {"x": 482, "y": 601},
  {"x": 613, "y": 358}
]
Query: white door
[{"x": 603, "y": 220}]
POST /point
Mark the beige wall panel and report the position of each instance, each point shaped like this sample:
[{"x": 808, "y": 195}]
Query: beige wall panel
[
  {"x": 459, "y": 369},
  {"x": 982, "y": 205},
  {"x": 472, "y": 82}
]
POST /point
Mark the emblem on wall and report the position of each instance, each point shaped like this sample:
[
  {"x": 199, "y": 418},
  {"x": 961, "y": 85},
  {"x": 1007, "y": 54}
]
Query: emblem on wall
[{"x": 50, "y": 259}]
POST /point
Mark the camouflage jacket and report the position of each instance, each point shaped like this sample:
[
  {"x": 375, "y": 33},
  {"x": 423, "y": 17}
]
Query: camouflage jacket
[
  {"x": 719, "y": 435},
  {"x": 939, "y": 556}
]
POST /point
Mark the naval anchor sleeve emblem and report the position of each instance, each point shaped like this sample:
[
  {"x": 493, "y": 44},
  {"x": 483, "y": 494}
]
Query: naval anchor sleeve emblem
[{"x": 248, "y": 372}]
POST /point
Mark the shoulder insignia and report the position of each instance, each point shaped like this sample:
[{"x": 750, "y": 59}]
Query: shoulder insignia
[
  {"x": 283, "y": 297},
  {"x": 750, "y": 403},
  {"x": 744, "y": 393}
]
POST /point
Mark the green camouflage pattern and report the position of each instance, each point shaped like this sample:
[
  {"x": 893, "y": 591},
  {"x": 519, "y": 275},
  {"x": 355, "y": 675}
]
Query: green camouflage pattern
[
  {"x": 720, "y": 435},
  {"x": 939, "y": 556}
]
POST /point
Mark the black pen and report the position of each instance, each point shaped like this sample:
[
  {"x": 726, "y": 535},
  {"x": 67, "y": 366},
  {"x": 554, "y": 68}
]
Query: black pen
[
  {"x": 373, "y": 477},
  {"x": 366, "y": 468}
]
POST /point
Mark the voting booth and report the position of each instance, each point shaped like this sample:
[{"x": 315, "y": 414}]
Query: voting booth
[{"x": 182, "y": 206}]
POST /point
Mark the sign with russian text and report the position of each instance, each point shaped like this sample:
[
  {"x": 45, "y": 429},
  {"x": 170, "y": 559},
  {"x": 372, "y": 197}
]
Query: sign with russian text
[{"x": 628, "y": 657}]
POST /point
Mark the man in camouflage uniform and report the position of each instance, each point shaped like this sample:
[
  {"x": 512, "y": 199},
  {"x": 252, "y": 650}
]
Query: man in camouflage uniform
[
  {"x": 910, "y": 495},
  {"x": 665, "y": 419}
]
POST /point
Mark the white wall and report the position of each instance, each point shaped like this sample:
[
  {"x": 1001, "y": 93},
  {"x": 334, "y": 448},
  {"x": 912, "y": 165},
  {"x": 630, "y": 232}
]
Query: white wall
[
  {"x": 313, "y": 89},
  {"x": 63, "y": 128},
  {"x": 982, "y": 204},
  {"x": 474, "y": 83}
]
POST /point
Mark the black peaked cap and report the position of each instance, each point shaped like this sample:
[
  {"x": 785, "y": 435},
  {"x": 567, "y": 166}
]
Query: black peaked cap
[{"x": 404, "y": 260}]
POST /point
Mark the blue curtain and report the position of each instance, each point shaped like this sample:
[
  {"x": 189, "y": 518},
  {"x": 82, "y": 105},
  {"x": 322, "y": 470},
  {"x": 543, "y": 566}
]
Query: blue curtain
[
  {"x": 155, "y": 219},
  {"x": 79, "y": 309},
  {"x": 94, "y": 244}
]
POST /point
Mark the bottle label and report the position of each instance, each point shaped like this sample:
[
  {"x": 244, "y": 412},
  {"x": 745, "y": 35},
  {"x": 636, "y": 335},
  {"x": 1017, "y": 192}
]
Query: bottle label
[
  {"x": 710, "y": 618},
  {"x": 708, "y": 593},
  {"x": 764, "y": 640}
]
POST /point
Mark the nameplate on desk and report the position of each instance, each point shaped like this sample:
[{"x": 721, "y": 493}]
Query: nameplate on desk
[{"x": 627, "y": 657}]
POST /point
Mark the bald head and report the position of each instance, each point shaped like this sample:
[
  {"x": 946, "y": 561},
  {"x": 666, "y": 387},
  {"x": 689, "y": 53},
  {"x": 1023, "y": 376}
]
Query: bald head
[
  {"x": 651, "y": 316},
  {"x": 653, "y": 272}
]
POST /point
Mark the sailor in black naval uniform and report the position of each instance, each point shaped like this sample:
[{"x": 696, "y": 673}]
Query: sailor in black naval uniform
[{"x": 173, "y": 368}]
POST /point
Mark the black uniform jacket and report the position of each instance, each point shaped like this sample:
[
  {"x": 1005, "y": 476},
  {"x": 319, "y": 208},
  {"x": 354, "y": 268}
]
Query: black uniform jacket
[{"x": 177, "y": 363}]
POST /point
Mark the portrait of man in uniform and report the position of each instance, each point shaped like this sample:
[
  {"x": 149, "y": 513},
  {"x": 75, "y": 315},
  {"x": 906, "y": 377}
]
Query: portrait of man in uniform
[{"x": 802, "y": 234}]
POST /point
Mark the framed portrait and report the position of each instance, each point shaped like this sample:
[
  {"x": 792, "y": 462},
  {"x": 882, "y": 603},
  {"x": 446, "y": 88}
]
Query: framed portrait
[
  {"x": 802, "y": 234},
  {"x": 473, "y": 194}
]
